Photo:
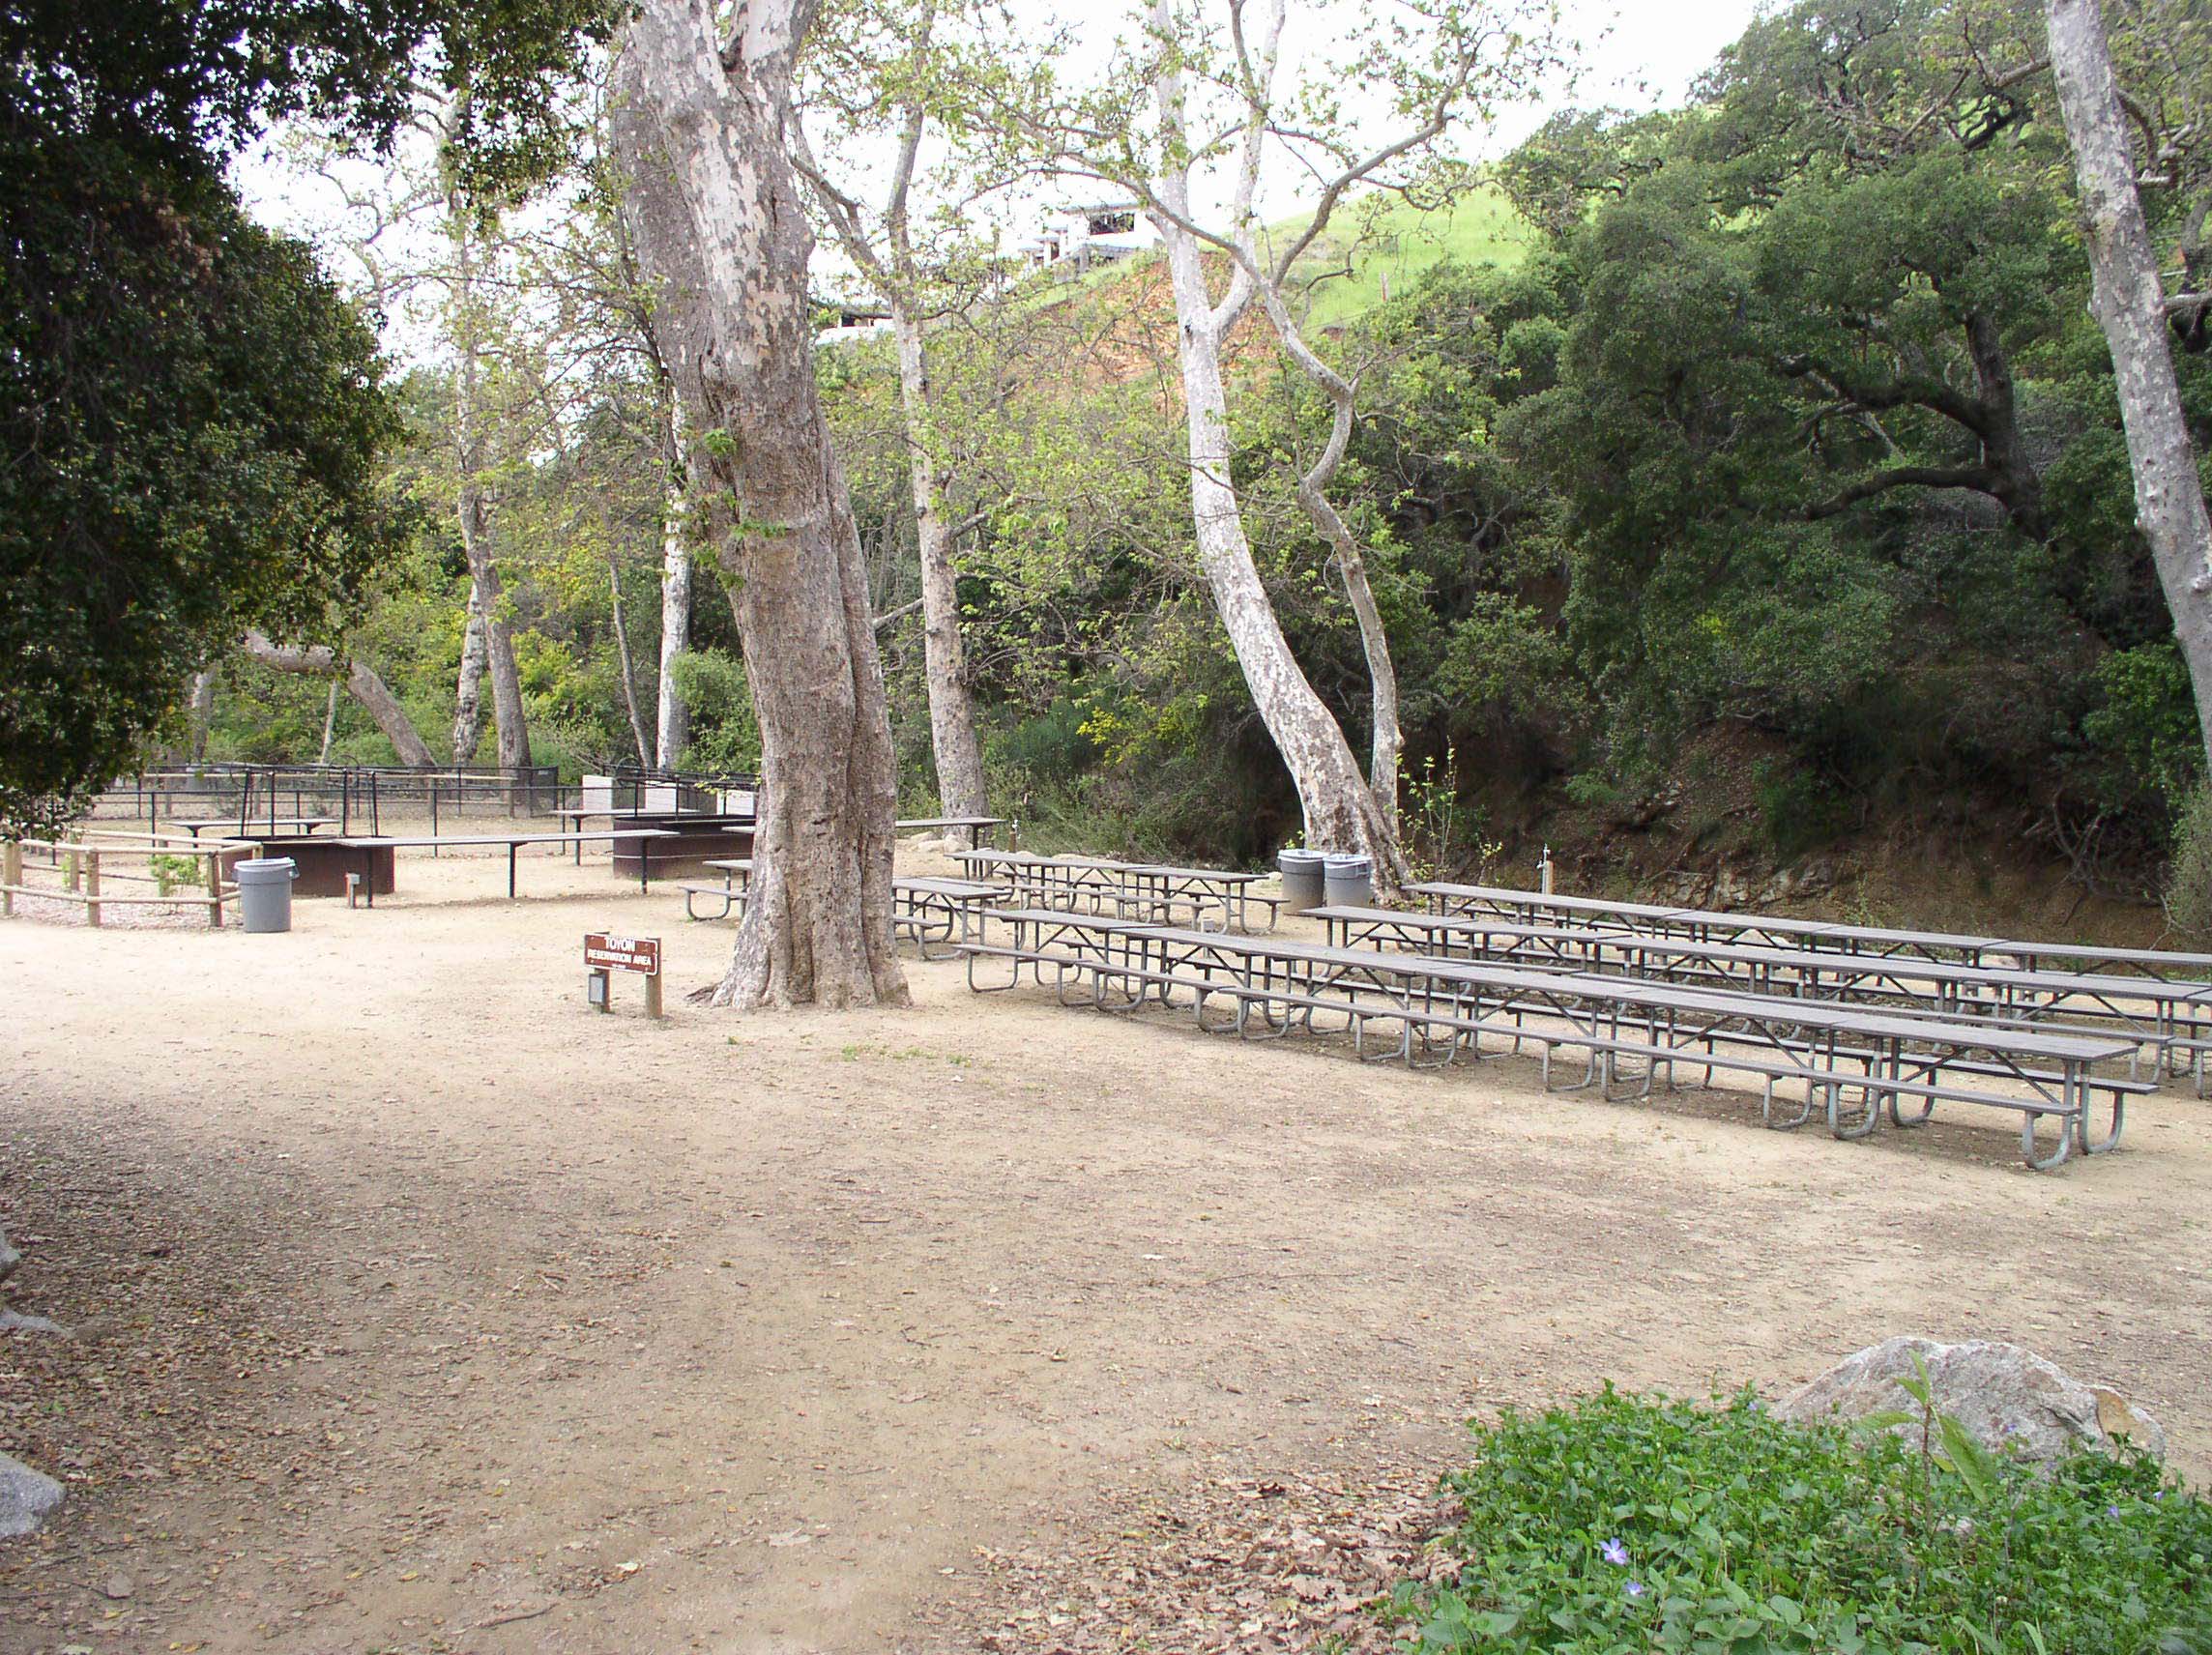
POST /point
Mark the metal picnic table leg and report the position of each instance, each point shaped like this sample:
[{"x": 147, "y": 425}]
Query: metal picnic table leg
[{"x": 513, "y": 846}]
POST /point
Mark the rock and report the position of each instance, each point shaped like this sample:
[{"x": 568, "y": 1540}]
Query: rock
[
  {"x": 15, "y": 1321},
  {"x": 2008, "y": 1396},
  {"x": 119, "y": 1587},
  {"x": 25, "y": 1497},
  {"x": 10, "y": 1258}
]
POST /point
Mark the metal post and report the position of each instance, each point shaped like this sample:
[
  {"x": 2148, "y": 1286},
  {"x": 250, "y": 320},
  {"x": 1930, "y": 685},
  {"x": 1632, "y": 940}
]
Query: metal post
[{"x": 1544, "y": 869}]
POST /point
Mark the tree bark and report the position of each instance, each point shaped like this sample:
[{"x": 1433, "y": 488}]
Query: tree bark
[
  {"x": 330, "y": 723},
  {"x": 320, "y": 660},
  {"x": 203, "y": 713},
  {"x": 672, "y": 724},
  {"x": 468, "y": 693},
  {"x": 2130, "y": 304},
  {"x": 628, "y": 669},
  {"x": 960, "y": 786},
  {"x": 1388, "y": 740},
  {"x": 473, "y": 507},
  {"x": 723, "y": 237},
  {"x": 1340, "y": 809}
]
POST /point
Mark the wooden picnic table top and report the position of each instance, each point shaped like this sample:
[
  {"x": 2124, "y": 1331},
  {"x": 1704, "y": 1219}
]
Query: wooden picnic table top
[
  {"x": 1824, "y": 962},
  {"x": 381, "y": 841},
  {"x": 950, "y": 821},
  {"x": 958, "y": 890},
  {"x": 1779, "y": 925},
  {"x": 735, "y": 864},
  {"x": 1827, "y": 1015},
  {"x": 1103, "y": 864},
  {"x": 2116, "y": 956}
]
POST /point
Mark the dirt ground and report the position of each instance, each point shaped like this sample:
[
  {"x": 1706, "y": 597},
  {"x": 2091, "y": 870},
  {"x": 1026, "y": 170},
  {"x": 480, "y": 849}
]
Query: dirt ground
[{"x": 416, "y": 1308}]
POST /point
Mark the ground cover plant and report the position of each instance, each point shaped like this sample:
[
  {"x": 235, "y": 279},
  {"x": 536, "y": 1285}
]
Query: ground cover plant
[{"x": 1631, "y": 1523}]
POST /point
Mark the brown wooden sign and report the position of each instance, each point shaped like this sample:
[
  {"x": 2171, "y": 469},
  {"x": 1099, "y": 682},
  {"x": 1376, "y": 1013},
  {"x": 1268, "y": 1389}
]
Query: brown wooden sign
[{"x": 605, "y": 953}]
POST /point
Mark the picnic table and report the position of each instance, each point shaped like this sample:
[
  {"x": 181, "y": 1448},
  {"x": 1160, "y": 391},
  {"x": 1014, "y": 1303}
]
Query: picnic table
[
  {"x": 1275, "y": 985},
  {"x": 2158, "y": 1013},
  {"x": 979, "y": 827},
  {"x": 733, "y": 890},
  {"x": 2160, "y": 962},
  {"x": 368, "y": 844},
  {"x": 1148, "y": 890},
  {"x": 1703, "y": 924},
  {"x": 304, "y": 825}
]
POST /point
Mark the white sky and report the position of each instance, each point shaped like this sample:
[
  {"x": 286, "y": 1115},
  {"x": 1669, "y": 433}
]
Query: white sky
[{"x": 1637, "y": 55}]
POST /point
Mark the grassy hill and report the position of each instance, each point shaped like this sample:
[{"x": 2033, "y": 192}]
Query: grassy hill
[{"x": 1389, "y": 245}]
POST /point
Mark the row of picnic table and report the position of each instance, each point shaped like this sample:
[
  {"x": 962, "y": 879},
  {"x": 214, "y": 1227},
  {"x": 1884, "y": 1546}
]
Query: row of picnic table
[{"x": 1855, "y": 1063}]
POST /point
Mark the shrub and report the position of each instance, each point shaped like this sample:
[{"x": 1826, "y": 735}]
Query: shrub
[
  {"x": 1632, "y": 1524},
  {"x": 2188, "y": 894}
]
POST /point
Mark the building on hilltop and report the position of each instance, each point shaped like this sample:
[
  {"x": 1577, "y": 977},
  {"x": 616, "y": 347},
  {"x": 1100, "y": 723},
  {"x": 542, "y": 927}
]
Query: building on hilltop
[{"x": 1077, "y": 238}]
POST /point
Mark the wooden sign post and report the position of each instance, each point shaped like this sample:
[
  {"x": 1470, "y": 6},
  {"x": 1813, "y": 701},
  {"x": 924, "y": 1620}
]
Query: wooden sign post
[{"x": 604, "y": 955}]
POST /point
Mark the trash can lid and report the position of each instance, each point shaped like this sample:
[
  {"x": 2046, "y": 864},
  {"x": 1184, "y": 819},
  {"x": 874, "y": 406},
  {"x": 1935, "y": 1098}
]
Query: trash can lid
[
  {"x": 271, "y": 866},
  {"x": 1300, "y": 858},
  {"x": 1348, "y": 865}
]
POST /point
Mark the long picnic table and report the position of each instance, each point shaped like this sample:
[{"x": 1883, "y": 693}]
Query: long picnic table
[
  {"x": 2158, "y": 1013},
  {"x": 1703, "y": 924},
  {"x": 305, "y": 825},
  {"x": 927, "y": 909},
  {"x": 1885, "y": 1058},
  {"x": 1148, "y": 889},
  {"x": 370, "y": 844}
]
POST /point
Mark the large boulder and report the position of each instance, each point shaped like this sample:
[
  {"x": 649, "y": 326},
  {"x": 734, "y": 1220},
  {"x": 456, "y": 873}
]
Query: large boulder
[
  {"x": 25, "y": 1497},
  {"x": 8, "y": 1258},
  {"x": 2008, "y": 1396}
]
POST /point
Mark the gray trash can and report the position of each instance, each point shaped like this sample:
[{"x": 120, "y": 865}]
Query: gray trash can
[
  {"x": 1302, "y": 879},
  {"x": 1350, "y": 881},
  {"x": 265, "y": 893}
]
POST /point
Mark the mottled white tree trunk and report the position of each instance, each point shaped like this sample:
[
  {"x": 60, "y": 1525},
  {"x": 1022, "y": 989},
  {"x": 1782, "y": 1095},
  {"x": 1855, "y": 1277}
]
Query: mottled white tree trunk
[
  {"x": 960, "y": 788},
  {"x": 468, "y": 690},
  {"x": 629, "y": 668},
  {"x": 473, "y": 507},
  {"x": 723, "y": 237},
  {"x": 672, "y": 724},
  {"x": 203, "y": 713},
  {"x": 2129, "y": 303},
  {"x": 1341, "y": 814}
]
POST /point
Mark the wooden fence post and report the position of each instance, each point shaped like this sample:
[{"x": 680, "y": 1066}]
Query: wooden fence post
[
  {"x": 70, "y": 867},
  {"x": 11, "y": 875},
  {"x": 92, "y": 889},
  {"x": 215, "y": 890}
]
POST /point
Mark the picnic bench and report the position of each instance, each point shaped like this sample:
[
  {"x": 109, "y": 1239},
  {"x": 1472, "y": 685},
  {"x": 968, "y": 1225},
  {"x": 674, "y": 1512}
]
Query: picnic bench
[
  {"x": 1900, "y": 1065},
  {"x": 304, "y": 825},
  {"x": 370, "y": 844},
  {"x": 1127, "y": 889},
  {"x": 1701, "y": 925},
  {"x": 979, "y": 827},
  {"x": 2163, "y": 1017},
  {"x": 924, "y": 911},
  {"x": 736, "y": 883}
]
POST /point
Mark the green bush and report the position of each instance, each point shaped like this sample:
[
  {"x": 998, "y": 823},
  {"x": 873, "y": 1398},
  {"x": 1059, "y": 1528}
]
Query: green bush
[
  {"x": 1630, "y": 1524},
  {"x": 2187, "y": 892}
]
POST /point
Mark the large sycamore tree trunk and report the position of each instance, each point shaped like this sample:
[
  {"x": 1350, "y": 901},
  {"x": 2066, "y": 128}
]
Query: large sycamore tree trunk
[
  {"x": 2130, "y": 303},
  {"x": 672, "y": 723},
  {"x": 319, "y": 660},
  {"x": 960, "y": 789},
  {"x": 468, "y": 690},
  {"x": 723, "y": 237},
  {"x": 474, "y": 507},
  {"x": 1340, "y": 809}
]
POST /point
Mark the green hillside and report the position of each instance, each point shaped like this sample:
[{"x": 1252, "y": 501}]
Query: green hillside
[{"x": 1387, "y": 246}]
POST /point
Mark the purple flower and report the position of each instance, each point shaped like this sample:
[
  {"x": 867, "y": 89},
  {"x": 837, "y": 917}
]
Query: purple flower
[
  {"x": 1636, "y": 1588},
  {"x": 2111, "y": 1511},
  {"x": 1615, "y": 1552}
]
